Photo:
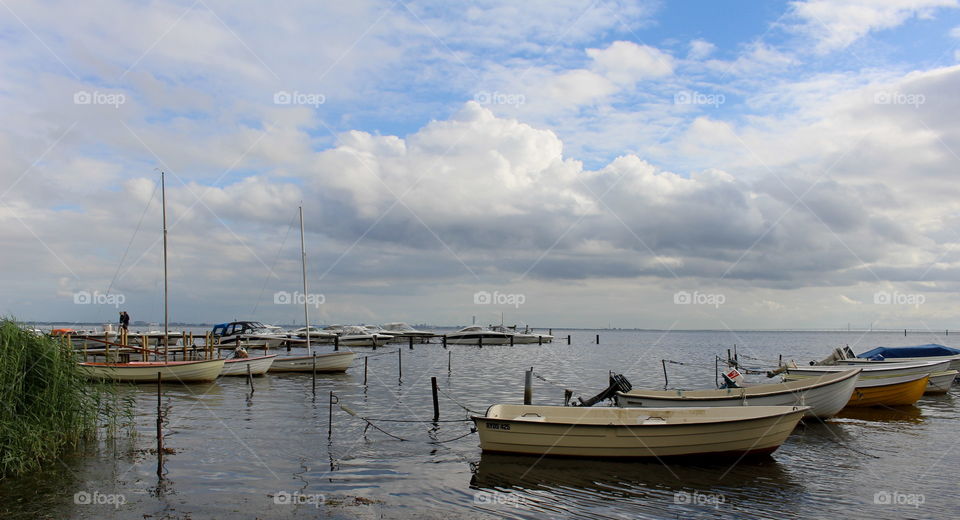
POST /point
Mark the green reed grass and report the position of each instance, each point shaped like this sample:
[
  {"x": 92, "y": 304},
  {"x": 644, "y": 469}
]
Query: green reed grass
[{"x": 46, "y": 406}]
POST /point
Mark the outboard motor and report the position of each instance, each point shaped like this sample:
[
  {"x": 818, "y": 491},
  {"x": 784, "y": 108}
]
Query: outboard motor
[
  {"x": 618, "y": 383},
  {"x": 732, "y": 379}
]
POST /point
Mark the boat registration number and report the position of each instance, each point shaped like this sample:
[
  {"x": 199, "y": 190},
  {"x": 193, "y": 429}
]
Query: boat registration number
[{"x": 497, "y": 426}]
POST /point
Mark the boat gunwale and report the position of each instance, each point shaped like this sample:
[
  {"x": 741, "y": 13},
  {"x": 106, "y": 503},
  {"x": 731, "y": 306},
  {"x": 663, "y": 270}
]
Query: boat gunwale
[{"x": 838, "y": 378}]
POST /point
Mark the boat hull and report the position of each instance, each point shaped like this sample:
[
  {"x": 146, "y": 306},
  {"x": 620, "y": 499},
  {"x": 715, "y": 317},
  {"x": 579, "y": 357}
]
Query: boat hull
[
  {"x": 940, "y": 382},
  {"x": 871, "y": 371},
  {"x": 893, "y": 393},
  {"x": 825, "y": 395},
  {"x": 954, "y": 361},
  {"x": 146, "y": 372},
  {"x": 239, "y": 367},
  {"x": 635, "y": 432},
  {"x": 327, "y": 362},
  {"x": 473, "y": 339}
]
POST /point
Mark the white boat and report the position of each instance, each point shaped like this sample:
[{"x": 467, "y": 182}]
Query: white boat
[
  {"x": 522, "y": 338},
  {"x": 255, "y": 366},
  {"x": 325, "y": 362},
  {"x": 825, "y": 395},
  {"x": 251, "y": 334},
  {"x": 635, "y": 432},
  {"x": 477, "y": 335},
  {"x": 356, "y": 336},
  {"x": 403, "y": 331},
  {"x": 941, "y": 382},
  {"x": 870, "y": 371},
  {"x": 316, "y": 334},
  {"x": 336, "y": 361},
  {"x": 146, "y": 371}
]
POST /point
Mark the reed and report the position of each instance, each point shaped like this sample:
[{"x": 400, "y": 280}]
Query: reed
[{"x": 46, "y": 406}]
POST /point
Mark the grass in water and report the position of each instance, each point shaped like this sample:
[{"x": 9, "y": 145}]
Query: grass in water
[{"x": 46, "y": 405}]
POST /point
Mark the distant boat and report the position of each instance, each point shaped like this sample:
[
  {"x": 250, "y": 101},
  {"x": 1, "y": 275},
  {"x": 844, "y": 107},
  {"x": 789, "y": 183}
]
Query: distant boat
[
  {"x": 522, "y": 338},
  {"x": 893, "y": 391},
  {"x": 635, "y": 432},
  {"x": 249, "y": 334},
  {"x": 401, "y": 330},
  {"x": 258, "y": 365},
  {"x": 477, "y": 335},
  {"x": 826, "y": 395},
  {"x": 146, "y": 371}
]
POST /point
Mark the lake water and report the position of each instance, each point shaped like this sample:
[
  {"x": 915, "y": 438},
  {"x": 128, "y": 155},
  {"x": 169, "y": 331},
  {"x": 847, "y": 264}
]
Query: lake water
[{"x": 237, "y": 455}]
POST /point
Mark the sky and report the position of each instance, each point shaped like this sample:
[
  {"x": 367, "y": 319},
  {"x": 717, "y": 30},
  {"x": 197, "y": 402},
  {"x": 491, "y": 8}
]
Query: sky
[{"x": 664, "y": 165}]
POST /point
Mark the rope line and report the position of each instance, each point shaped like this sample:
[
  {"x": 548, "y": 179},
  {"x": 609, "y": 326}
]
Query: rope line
[{"x": 448, "y": 396}]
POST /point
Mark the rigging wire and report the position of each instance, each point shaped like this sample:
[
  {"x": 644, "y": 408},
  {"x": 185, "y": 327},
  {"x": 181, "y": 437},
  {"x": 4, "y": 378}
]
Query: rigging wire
[{"x": 274, "y": 263}]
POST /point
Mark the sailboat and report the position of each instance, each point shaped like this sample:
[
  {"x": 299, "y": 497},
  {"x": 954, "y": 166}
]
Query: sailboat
[
  {"x": 166, "y": 370},
  {"x": 337, "y": 361}
]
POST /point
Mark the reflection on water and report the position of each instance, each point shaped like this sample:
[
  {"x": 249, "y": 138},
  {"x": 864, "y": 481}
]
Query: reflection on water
[{"x": 236, "y": 450}]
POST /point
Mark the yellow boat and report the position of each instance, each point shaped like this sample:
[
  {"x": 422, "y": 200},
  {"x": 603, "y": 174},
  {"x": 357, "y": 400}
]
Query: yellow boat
[{"x": 890, "y": 391}]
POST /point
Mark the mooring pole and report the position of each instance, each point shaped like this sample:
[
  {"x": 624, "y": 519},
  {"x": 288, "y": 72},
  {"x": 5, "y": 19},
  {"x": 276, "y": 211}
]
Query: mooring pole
[
  {"x": 444, "y": 341},
  {"x": 365, "y": 358},
  {"x": 716, "y": 370},
  {"x": 598, "y": 339},
  {"x": 511, "y": 339},
  {"x": 336, "y": 343},
  {"x": 250, "y": 379},
  {"x": 449, "y": 361},
  {"x": 330, "y": 418},
  {"x": 665, "y": 381},
  {"x": 568, "y": 339},
  {"x": 528, "y": 386},
  {"x": 314, "y": 374},
  {"x": 436, "y": 400},
  {"x": 399, "y": 364},
  {"x": 159, "y": 427},
  {"x": 411, "y": 342}
]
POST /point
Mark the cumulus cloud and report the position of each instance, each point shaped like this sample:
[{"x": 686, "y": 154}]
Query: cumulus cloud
[{"x": 835, "y": 24}]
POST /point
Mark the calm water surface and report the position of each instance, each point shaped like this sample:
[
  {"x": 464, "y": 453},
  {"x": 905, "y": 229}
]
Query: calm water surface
[{"x": 238, "y": 455}]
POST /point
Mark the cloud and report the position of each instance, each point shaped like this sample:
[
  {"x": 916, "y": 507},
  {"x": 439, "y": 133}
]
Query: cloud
[
  {"x": 836, "y": 24},
  {"x": 700, "y": 49},
  {"x": 626, "y": 62}
]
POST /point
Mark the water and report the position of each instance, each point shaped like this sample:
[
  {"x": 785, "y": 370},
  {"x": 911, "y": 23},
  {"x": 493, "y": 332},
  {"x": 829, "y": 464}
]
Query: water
[{"x": 237, "y": 455}]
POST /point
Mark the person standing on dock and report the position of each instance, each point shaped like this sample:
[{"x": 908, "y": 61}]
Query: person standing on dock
[{"x": 124, "y": 321}]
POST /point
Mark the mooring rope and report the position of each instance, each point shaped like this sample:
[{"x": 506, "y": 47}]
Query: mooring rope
[
  {"x": 448, "y": 396},
  {"x": 370, "y": 423}
]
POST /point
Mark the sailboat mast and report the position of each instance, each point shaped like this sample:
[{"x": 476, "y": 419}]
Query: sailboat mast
[
  {"x": 166, "y": 314},
  {"x": 303, "y": 266}
]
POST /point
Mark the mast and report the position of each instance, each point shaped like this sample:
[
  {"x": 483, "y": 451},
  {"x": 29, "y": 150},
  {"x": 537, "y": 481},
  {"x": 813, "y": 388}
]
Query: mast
[
  {"x": 303, "y": 266},
  {"x": 166, "y": 309}
]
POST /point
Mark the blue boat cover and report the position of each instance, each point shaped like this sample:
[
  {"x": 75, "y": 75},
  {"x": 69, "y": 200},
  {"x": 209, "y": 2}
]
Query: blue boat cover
[{"x": 931, "y": 349}]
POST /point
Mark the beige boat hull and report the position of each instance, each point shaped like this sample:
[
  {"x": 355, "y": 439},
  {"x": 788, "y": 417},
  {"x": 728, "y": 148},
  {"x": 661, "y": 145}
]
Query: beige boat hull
[
  {"x": 872, "y": 370},
  {"x": 146, "y": 372},
  {"x": 326, "y": 362},
  {"x": 825, "y": 395},
  {"x": 636, "y": 432},
  {"x": 257, "y": 366},
  {"x": 940, "y": 382}
]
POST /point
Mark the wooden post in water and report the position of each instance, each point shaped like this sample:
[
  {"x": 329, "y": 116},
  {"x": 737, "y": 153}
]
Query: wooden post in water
[
  {"x": 314, "y": 374},
  {"x": 666, "y": 382},
  {"x": 336, "y": 343},
  {"x": 399, "y": 364},
  {"x": 480, "y": 341},
  {"x": 598, "y": 339},
  {"x": 550, "y": 332},
  {"x": 539, "y": 340},
  {"x": 511, "y": 340},
  {"x": 568, "y": 339},
  {"x": 330, "y": 418},
  {"x": 183, "y": 341},
  {"x": 159, "y": 427},
  {"x": 449, "y": 361},
  {"x": 444, "y": 340},
  {"x": 904, "y": 332},
  {"x": 528, "y": 386},
  {"x": 411, "y": 342},
  {"x": 250, "y": 379},
  {"x": 365, "y": 358},
  {"x": 436, "y": 400}
]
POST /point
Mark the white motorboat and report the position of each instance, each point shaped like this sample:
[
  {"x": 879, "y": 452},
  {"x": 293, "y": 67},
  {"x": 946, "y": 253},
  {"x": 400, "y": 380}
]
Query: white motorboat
[
  {"x": 403, "y": 331},
  {"x": 316, "y": 334},
  {"x": 825, "y": 395},
  {"x": 526, "y": 337},
  {"x": 357, "y": 336},
  {"x": 251, "y": 334},
  {"x": 477, "y": 335}
]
